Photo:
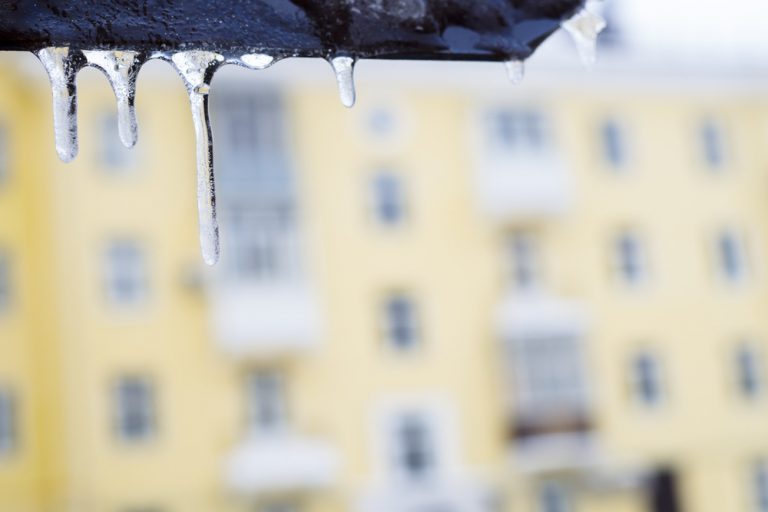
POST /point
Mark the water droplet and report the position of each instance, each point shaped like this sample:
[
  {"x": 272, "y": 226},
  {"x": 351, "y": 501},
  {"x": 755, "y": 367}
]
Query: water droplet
[
  {"x": 584, "y": 28},
  {"x": 197, "y": 69},
  {"x": 257, "y": 60},
  {"x": 515, "y": 70},
  {"x": 62, "y": 66},
  {"x": 344, "y": 68},
  {"x": 121, "y": 68}
]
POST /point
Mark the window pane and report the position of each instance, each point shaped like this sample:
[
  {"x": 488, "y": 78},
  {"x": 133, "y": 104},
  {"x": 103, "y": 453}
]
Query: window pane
[
  {"x": 389, "y": 203},
  {"x": 553, "y": 498},
  {"x": 614, "y": 149},
  {"x": 731, "y": 256},
  {"x": 125, "y": 274},
  {"x": 712, "y": 144},
  {"x": 524, "y": 260},
  {"x": 518, "y": 130},
  {"x": 135, "y": 408},
  {"x": 646, "y": 379},
  {"x": 415, "y": 448},
  {"x": 5, "y": 281},
  {"x": 400, "y": 322},
  {"x": 748, "y": 371},
  {"x": 8, "y": 430},
  {"x": 630, "y": 259},
  {"x": 266, "y": 401}
]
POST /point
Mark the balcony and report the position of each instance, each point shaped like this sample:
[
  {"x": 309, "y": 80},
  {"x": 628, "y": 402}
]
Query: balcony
[
  {"x": 256, "y": 319},
  {"x": 281, "y": 463},
  {"x": 447, "y": 495}
]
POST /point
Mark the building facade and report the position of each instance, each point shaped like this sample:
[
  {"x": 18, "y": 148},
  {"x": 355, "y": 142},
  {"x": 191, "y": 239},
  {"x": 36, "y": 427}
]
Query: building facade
[{"x": 452, "y": 298}]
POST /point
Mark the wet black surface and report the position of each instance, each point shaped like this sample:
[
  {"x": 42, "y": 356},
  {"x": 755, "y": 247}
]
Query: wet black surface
[{"x": 415, "y": 29}]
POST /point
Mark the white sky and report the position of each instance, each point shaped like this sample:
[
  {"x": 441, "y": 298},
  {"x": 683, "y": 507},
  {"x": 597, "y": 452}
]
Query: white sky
[{"x": 723, "y": 28}]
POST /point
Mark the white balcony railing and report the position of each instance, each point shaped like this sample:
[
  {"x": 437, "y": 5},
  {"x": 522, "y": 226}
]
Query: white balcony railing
[
  {"x": 264, "y": 319},
  {"x": 522, "y": 185},
  {"x": 281, "y": 463}
]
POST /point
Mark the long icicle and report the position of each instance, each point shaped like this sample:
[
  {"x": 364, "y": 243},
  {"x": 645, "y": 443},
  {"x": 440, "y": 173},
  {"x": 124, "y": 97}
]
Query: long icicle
[
  {"x": 62, "y": 65},
  {"x": 121, "y": 68},
  {"x": 197, "y": 69},
  {"x": 584, "y": 28}
]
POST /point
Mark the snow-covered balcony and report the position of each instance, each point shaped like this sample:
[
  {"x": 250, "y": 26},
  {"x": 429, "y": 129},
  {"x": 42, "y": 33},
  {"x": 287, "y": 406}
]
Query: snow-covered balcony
[
  {"x": 281, "y": 463},
  {"x": 546, "y": 382},
  {"x": 460, "y": 495},
  {"x": 519, "y": 170},
  {"x": 251, "y": 319}
]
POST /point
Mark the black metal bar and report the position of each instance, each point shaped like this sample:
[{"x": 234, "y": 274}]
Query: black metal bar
[{"x": 408, "y": 29}]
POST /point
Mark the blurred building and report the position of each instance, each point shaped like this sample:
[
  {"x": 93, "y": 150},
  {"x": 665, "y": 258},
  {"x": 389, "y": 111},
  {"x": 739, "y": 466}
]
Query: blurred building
[{"x": 457, "y": 297}]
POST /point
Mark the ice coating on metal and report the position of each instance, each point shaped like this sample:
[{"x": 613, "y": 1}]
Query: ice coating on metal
[
  {"x": 256, "y": 60},
  {"x": 344, "y": 67},
  {"x": 197, "y": 69},
  {"x": 62, "y": 66},
  {"x": 515, "y": 70},
  {"x": 584, "y": 29},
  {"x": 121, "y": 68}
]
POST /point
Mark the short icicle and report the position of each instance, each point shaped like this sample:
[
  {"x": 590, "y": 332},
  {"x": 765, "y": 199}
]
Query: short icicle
[
  {"x": 257, "y": 60},
  {"x": 62, "y": 65},
  {"x": 344, "y": 68},
  {"x": 515, "y": 70},
  {"x": 197, "y": 69},
  {"x": 584, "y": 27},
  {"x": 121, "y": 68}
]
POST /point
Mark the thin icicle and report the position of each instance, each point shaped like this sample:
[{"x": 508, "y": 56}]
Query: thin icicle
[
  {"x": 515, "y": 70},
  {"x": 62, "y": 66},
  {"x": 121, "y": 68},
  {"x": 197, "y": 69},
  {"x": 584, "y": 28},
  {"x": 344, "y": 68}
]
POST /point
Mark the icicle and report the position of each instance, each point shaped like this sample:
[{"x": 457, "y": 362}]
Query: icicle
[
  {"x": 515, "y": 70},
  {"x": 257, "y": 60},
  {"x": 62, "y": 66},
  {"x": 584, "y": 28},
  {"x": 121, "y": 68},
  {"x": 344, "y": 68},
  {"x": 197, "y": 68}
]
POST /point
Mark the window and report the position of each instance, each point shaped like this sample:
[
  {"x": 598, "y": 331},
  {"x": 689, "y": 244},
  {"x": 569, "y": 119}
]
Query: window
[
  {"x": 731, "y": 258},
  {"x": 125, "y": 274},
  {"x": 8, "y": 426},
  {"x": 760, "y": 479},
  {"x": 518, "y": 130},
  {"x": 263, "y": 245},
  {"x": 748, "y": 371},
  {"x": 554, "y": 497},
  {"x": 5, "y": 160},
  {"x": 549, "y": 373},
  {"x": 388, "y": 198},
  {"x": 646, "y": 379},
  {"x": 266, "y": 402},
  {"x": 629, "y": 258},
  {"x": 414, "y": 448},
  {"x": 712, "y": 144},
  {"x": 5, "y": 281},
  {"x": 134, "y": 408},
  {"x": 524, "y": 267},
  {"x": 614, "y": 145},
  {"x": 381, "y": 122},
  {"x": 400, "y": 322},
  {"x": 113, "y": 155}
]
